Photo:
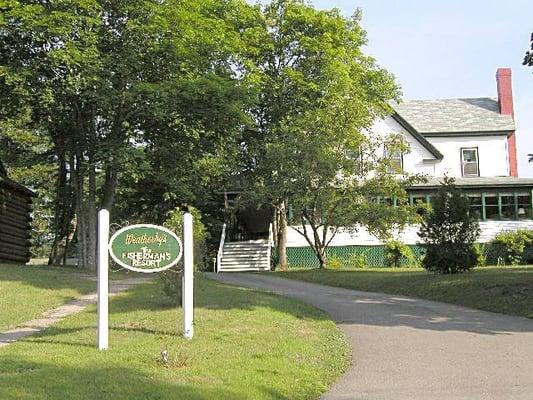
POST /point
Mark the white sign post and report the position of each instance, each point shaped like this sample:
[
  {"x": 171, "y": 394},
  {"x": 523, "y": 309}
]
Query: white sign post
[
  {"x": 187, "y": 282},
  {"x": 103, "y": 287},
  {"x": 105, "y": 247}
]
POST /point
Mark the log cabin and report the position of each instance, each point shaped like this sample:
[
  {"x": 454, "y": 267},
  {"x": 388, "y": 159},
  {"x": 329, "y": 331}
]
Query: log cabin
[{"x": 15, "y": 220}]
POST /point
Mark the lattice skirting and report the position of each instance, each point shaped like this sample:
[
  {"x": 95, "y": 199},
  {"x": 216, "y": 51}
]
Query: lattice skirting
[{"x": 303, "y": 257}]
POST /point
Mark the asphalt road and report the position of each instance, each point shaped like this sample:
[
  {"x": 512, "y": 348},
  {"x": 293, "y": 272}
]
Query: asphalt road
[{"x": 411, "y": 349}]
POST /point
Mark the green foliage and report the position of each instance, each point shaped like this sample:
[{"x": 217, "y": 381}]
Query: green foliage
[
  {"x": 481, "y": 258},
  {"x": 335, "y": 262},
  {"x": 513, "y": 244},
  {"x": 528, "y": 59},
  {"x": 171, "y": 279},
  {"x": 137, "y": 97},
  {"x": 170, "y": 282},
  {"x": 317, "y": 94},
  {"x": 200, "y": 235},
  {"x": 357, "y": 261},
  {"x": 449, "y": 231},
  {"x": 398, "y": 254}
]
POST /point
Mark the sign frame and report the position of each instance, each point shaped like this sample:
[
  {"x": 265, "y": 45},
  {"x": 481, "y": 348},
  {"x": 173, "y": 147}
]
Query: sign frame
[{"x": 142, "y": 270}]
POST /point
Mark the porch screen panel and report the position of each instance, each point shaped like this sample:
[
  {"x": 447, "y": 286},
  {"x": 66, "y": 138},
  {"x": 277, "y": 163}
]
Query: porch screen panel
[
  {"x": 524, "y": 206},
  {"x": 508, "y": 206},
  {"x": 491, "y": 207},
  {"x": 476, "y": 206}
]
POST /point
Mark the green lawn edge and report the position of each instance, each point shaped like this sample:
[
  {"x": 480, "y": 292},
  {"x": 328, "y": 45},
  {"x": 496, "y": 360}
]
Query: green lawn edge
[
  {"x": 26, "y": 292},
  {"x": 248, "y": 345},
  {"x": 506, "y": 290}
]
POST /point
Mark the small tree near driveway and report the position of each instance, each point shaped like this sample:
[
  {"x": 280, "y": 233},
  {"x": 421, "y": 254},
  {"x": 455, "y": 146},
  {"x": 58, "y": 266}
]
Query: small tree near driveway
[{"x": 450, "y": 232}]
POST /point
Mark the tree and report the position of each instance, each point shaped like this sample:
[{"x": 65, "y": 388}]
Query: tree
[
  {"x": 317, "y": 96},
  {"x": 450, "y": 232},
  {"x": 528, "y": 59},
  {"x": 111, "y": 81}
]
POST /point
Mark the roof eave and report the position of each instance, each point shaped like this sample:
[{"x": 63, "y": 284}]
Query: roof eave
[
  {"x": 421, "y": 139},
  {"x": 506, "y": 132}
]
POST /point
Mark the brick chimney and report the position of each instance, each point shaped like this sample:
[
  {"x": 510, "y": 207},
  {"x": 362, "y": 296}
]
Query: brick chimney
[{"x": 505, "y": 101}]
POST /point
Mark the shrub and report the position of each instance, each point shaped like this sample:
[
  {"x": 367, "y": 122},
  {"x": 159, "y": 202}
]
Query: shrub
[
  {"x": 334, "y": 262},
  {"x": 171, "y": 279},
  {"x": 449, "y": 231},
  {"x": 357, "y": 261},
  {"x": 481, "y": 259},
  {"x": 450, "y": 258},
  {"x": 174, "y": 222},
  {"x": 398, "y": 254},
  {"x": 170, "y": 282},
  {"x": 513, "y": 244}
]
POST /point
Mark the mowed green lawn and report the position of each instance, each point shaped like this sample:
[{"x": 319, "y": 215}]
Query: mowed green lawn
[
  {"x": 507, "y": 290},
  {"x": 28, "y": 291},
  {"x": 247, "y": 345}
]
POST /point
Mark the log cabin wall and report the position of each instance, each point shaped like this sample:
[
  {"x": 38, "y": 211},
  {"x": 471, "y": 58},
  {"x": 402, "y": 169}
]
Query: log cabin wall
[{"x": 15, "y": 222}]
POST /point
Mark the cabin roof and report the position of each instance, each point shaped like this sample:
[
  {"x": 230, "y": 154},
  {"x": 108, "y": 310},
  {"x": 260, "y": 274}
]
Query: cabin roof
[{"x": 7, "y": 182}]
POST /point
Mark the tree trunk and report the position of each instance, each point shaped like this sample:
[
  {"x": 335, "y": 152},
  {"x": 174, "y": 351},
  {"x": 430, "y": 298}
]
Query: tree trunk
[
  {"x": 90, "y": 261},
  {"x": 321, "y": 255},
  {"x": 78, "y": 177},
  {"x": 275, "y": 226},
  {"x": 64, "y": 213},
  {"x": 59, "y": 213},
  {"x": 110, "y": 186},
  {"x": 319, "y": 246},
  {"x": 282, "y": 237}
]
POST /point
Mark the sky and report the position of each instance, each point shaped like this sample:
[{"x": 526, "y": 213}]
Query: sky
[{"x": 451, "y": 49}]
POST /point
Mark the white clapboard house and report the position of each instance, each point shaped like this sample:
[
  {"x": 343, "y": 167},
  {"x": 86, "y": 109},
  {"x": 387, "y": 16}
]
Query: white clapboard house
[{"x": 470, "y": 139}]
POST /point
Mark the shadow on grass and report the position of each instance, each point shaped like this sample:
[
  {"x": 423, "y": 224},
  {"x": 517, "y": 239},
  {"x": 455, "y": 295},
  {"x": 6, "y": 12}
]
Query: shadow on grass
[
  {"x": 353, "y": 307},
  {"x": 24, "y": 379},
  {"x": 210, "y": 295}
]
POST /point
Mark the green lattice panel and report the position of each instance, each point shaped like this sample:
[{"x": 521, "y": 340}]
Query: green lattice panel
[
  {"x": 495, "y": 254},
  {"x": 303, "y": 257}
]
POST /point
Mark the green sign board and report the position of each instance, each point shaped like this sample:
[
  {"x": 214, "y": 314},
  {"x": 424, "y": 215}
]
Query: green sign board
[{"x": 145, "y": 248}]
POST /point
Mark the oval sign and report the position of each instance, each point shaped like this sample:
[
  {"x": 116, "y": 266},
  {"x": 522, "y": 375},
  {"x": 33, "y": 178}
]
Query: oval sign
[{"x": 145, "y": 248}]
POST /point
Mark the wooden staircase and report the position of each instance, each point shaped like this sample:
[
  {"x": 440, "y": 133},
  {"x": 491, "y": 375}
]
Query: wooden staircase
[{"x": 249, "y": 255}]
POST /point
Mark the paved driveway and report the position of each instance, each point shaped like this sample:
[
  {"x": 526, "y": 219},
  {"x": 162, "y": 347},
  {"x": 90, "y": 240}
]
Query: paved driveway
[{"x": 407, "y": 348}]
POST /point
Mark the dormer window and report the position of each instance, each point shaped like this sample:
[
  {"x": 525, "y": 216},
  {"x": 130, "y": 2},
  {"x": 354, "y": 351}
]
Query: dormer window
[{"x": 469, "y": 161}]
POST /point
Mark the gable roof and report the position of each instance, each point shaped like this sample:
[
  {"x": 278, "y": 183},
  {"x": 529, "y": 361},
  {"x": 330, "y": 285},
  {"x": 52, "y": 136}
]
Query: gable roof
[
  {"x": 421, "y": 139},
  {"x": 459, "y": 116}
]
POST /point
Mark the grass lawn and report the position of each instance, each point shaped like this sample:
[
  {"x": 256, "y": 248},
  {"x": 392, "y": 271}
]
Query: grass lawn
[
  {"x": 28, "y": 291},
  {"x": 507, "y": 290},
  {"x": 247, "y": 345}
]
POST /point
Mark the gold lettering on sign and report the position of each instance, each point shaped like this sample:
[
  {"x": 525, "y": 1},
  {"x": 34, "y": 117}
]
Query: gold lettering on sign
[
  {"x": 146, "y": 239},
  {"x": 146, "y": 258}
]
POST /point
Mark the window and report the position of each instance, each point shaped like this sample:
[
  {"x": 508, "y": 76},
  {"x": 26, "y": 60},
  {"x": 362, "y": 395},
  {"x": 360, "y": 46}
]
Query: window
[
  {"x": 524, "y": 206},
  {"x": 469, "y": 162},
  {"x": 491, "y": 207},
  {"x": 476, "y": 206},
  {"x": 508, "y": 206},
  {"x": 419, "y": 200},
  {"x": 395, "y": 161}
]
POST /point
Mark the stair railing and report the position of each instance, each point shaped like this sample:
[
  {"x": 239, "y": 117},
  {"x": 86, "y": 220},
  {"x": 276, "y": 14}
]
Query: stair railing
[
  {"x": 270, "y": 243},
  {"x": 221, "y": 247}
]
